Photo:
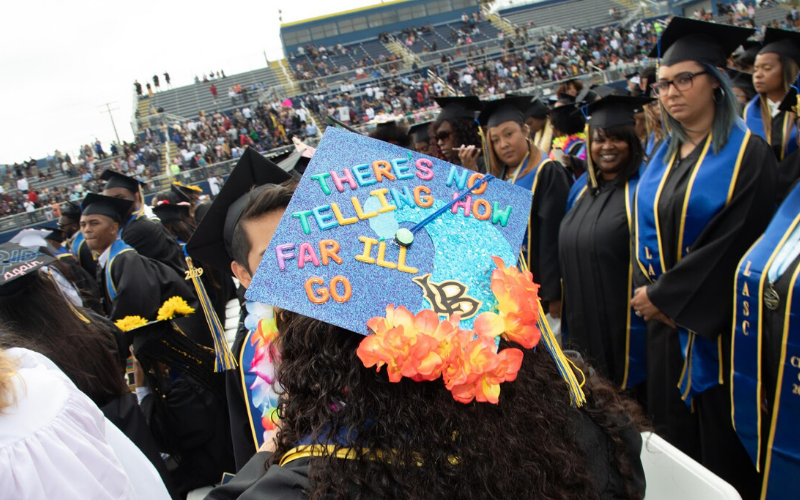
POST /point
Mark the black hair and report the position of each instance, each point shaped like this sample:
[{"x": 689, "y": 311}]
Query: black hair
[
  {"x": 259, "y": 204},
  {"x": 628, "y": 134},
  {"x": 393, "y": 134}
]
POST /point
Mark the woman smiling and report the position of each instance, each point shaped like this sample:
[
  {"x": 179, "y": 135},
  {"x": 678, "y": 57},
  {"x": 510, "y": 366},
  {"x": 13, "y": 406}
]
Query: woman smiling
[
  {"x": 594, "y": 246},
  {"x": 514, "y": 158}
]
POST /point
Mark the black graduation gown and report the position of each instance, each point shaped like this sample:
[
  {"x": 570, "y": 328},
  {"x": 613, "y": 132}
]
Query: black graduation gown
[
  {"x": 696, "y": 294},
  {"x": 290, "y": 482},
  {"x": 777, "y": 135},
  {"x": 198, "y": 425},
  {"x": 788, "y": 173},
  {"x": 152, "y": 240},
  {"x": 241, "y": 433},
  {"x": 594, "y": 256},
  {"x": 143, "y": 285}
]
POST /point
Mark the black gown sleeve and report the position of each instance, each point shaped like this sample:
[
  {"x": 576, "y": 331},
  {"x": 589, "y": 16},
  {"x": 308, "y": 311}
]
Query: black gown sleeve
[
  {"x": 255, "y": 481},
  {"x": 788, "y": 173},
  {"x": 152, "y": 240},
  {"x": 550, "y": 203},
  {"x": 702, "y": 281}
]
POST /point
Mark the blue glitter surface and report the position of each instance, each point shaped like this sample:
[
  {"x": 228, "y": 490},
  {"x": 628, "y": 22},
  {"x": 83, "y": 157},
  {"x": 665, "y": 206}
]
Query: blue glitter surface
[{"x": 451, "y": 247}]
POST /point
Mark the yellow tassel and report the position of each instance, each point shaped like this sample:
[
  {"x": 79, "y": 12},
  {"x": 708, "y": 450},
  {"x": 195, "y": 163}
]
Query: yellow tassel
[
  {"x": 225, "y": 360},
  {"x": 589, "y": 165}
]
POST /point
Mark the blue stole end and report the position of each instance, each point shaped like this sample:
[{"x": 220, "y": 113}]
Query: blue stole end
[{"x": 752, "y": 116}]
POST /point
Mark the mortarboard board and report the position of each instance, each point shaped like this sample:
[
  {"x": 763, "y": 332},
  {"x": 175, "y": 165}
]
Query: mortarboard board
[
  {"x": 420, "y": 132},
  {"x": 615, "y": 110},
  {"x": 790, "y": 101},
  {"x": 56, "y": 235},
  {"x": 356, "y": 194},
  {"x": 211, "y": 241},
  {"x": 17, "y": 262},
  {"x": 114, "y": 208},
  {"x": 742, "y": 80},
  {"x": 171, "y": 212},
  {"x": 31, "y": 238},
  {"x": 504, "y": 110},
  {"x": 295, "y": 161},
  {"x": 454, "y": 108},
  {"x": 690, "y": 40},
  {"x": 71, "y": 210},
  {"x": 751, "y": 47},
  {"x": 179, "y": 193},
  {"x": 117, "y": 180},
  {"x": 537, "y": 109},
  {"x": 782, "y": 42},
  {"x": 375, "y": 230}
]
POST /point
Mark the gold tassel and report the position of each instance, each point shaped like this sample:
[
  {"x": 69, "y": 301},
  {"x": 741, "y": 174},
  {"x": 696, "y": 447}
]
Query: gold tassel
[
  {"x": 224, "y": 356},
  {"x": 589, "y": 165}
]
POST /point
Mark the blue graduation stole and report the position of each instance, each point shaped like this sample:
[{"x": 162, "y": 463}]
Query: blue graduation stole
[
  {"x": 651, "y": 145},
  {"x": 782, "y": 462},
  {"x": 75, "y": 243},
  {"x": 752, "y": 116},
  {"x": 528, "y": 181},
  {"x": 257, "y": 374},
  {"x": 117, "y": 248},
  {"x": 716, "y": 175},
  {"x": 636, "y": 333}
]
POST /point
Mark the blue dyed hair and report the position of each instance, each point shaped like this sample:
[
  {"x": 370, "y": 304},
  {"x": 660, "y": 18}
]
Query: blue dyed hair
[{"x": 726, "y": 112}]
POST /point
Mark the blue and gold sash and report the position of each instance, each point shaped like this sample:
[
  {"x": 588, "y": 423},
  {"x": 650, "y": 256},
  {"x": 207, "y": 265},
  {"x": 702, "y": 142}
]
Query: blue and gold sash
[
  {"x": 716, "y": 175},
  {"x": 752, "y": 116},
  {"x": 75, "y": 243},
  {"x": 528, "y": 181},
  {"x": 577, "y": 190},
  {"x": 117, "y": 248},
  {"x": 782, "y": 462}
]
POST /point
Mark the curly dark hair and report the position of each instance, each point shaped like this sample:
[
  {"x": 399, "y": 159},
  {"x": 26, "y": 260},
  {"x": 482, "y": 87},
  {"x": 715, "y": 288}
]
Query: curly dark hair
[{"x": 524, "y": 447}]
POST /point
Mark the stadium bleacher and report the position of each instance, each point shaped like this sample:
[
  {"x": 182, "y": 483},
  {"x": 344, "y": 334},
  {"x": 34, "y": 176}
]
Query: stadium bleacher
[{"x": 566, "y": 14}]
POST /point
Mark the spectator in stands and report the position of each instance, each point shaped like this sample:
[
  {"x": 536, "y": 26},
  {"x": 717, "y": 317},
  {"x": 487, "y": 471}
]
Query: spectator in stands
[
  {"x": 213, "y": 89},
  {"x": 166, "y": 79},
  {"x": 98, "y": 148},
  {"x": 138, "y": 87},
  {"x": 22, "y": 184},
  {"x": 156, "y": 83}
]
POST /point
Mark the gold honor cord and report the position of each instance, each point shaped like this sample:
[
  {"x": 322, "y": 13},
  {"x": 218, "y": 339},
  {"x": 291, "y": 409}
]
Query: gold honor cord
[{"x": 224, "y": 356}]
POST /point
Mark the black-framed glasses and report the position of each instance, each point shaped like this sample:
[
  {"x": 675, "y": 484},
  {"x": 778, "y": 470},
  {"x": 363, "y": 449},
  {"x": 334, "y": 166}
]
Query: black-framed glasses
[{"x": 682, "y": 83}]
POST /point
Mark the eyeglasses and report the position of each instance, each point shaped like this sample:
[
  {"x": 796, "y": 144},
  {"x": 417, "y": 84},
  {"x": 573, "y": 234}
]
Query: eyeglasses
[
  {"x": 682, "y": 83},
  {"x": 443, "y": 135}
]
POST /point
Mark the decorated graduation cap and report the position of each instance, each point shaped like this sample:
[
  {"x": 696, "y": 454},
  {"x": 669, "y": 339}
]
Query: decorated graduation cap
[
  {"x": 171, "y": 212},
  {"x": 510, "y": 109},
  {"x": 375, "y": 235},
  {"x": 18, "y": 262},
  {"x": 211, "y": 241},
  {"x": 454, "y": 108},
  {"x": 117, "y": 180},
  {"x": 537, "y": 109},
  {"x": 782, "y": 42},
  {"x": 420, "y": 132},
  {"x": 691, "y": 40},
  {"x": 115, "y": 209}
]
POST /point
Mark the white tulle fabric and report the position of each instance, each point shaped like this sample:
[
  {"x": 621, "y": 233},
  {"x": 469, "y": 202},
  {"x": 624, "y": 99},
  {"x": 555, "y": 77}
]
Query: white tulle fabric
[{"x": 53, "y": 441}]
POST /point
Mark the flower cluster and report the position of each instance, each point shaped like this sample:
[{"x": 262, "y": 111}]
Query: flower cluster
[
  {"x": 130, "y": 322},
  {"x": 172, "y": 307},
  {"x": 423, "y": 348}
]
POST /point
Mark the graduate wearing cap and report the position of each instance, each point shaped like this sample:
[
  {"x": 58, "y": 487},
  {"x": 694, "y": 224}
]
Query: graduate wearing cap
[
  {"x": 594, "y": 246},
  {"x": 231, "y": 238},
  {"x": 421, "y": 138},
  {"x": 458, "y": 134},
  {"x": 706, "y": 195},
  {"x": 514, "y": 158},
  {"x": 569, "y": 138},
  {"x": 775, "y": 71},
  {"x": 537, "y": 118},
  {"x": 188, "y": 193},
  {"x": 132, "y": 284},
  {"x": 789, "y": 167},
  {"x": 70, "y": 224},
  {"x": 765, "y": 351},
  {"x": 146, "y": 236},
  {"x": 183, "y": 400},
  {"x": 742, "y": 85},
  {"x": 747, "y": 59},
  {"x": 385, "y": 390}
]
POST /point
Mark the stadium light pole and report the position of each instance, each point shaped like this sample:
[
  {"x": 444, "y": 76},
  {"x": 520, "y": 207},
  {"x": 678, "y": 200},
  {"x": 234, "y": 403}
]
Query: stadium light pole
[{"x": 109, "y": 110}]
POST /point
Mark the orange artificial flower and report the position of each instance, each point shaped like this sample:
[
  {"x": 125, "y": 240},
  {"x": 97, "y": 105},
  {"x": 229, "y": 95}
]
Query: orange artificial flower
[{"x": 475, "y": 370}]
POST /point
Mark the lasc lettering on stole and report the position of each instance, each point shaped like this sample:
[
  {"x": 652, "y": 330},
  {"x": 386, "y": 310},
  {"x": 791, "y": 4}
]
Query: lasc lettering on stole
[
  {"x": 373, "y": 251},
  {"x": 795, "y": 362},
  {"x": 746, "y": 302}
]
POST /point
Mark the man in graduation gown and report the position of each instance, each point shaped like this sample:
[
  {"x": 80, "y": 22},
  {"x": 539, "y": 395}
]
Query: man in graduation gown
[
  {"x": 232, "y": 237},
  {"x": 70, "y": 224},
  {"x": 132, "y": 284},
  {"x": 147, "y": 237}
]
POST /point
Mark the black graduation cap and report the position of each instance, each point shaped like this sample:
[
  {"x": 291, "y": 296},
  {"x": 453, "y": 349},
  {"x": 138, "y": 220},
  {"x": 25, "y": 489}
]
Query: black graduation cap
[
  {"x": 114, "y": 208},
  {"x": 790, "y": 101},
  {"x": 71, "y": 210},
  {"x": 56, "y": 235},
  {"x": 171, "y": 212},
  {"x": 615, "y": 110},
  {"x": 420, "y": 132},
  {"x": 115, "y": 180},
  {"x": 782, "y": 42},
  {"x": 211, "y": 241},
  {"x": 454, "y": 108},
  {"x": 751, "y": 47},
  {"x": 565, "y": 105},
  {"x": 742, "y": 80},
  {"x": 18, "y": 262},
  {"x": 294, "y": 161},
  {"x": 537, "y": 109},
  {"x": 510, "y": 109},
  {"x": 691, "y": 40}
]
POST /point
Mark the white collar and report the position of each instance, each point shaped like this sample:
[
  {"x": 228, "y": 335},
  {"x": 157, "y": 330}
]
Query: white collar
[{"x": 103, "y": 259}]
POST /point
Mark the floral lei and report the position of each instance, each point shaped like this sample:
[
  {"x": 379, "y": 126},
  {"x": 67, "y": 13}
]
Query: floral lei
[
  {"x": 423, "y": 348},
  {"x": 564, "y": 142}
]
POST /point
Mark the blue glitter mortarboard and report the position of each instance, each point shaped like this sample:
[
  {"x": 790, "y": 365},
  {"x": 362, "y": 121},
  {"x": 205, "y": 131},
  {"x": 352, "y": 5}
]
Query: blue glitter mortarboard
[{"x": 335, "y": 256}]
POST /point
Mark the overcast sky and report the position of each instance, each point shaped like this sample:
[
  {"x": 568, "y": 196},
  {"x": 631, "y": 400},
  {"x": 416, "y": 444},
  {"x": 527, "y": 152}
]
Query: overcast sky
[{"x": 61, "y": 60}]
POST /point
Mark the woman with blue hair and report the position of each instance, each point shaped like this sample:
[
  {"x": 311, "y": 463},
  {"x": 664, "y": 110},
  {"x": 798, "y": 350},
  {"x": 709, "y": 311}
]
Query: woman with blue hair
[{"x": 707, "y": 194}]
